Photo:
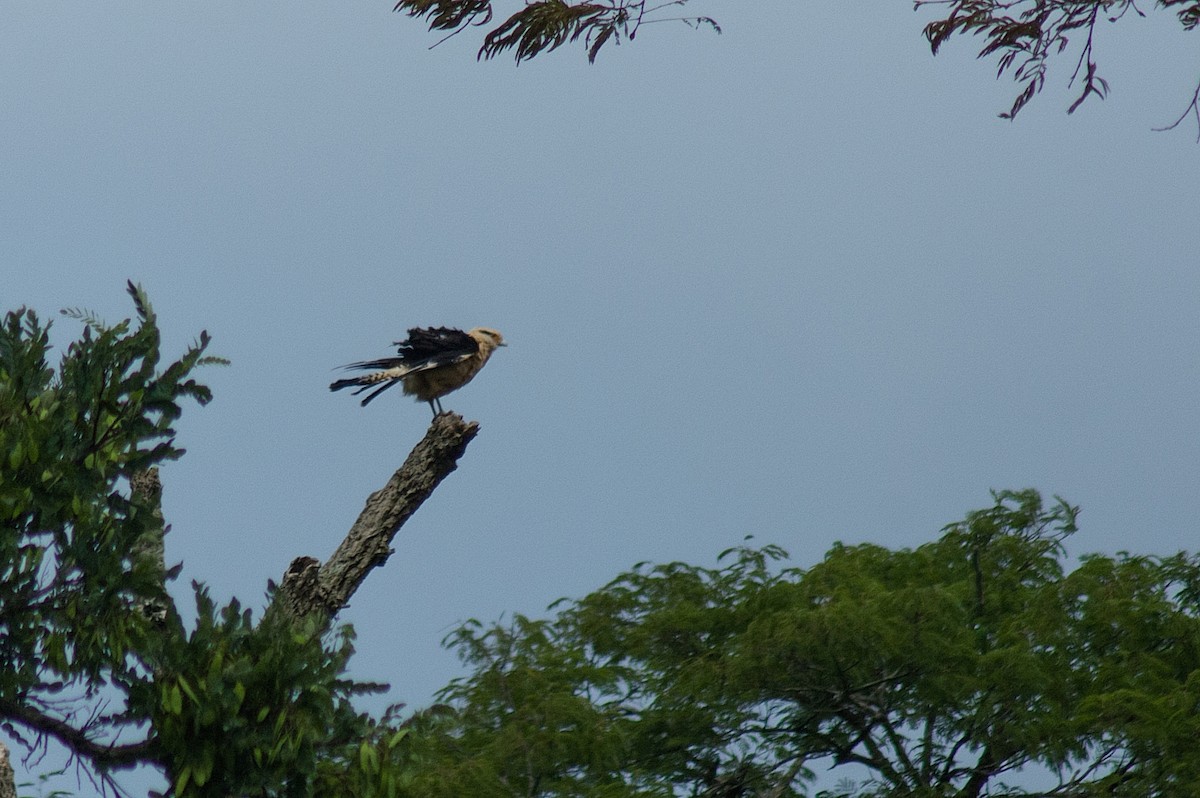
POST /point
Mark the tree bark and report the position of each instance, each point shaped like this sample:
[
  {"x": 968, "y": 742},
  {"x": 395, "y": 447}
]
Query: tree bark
[
  {"x": 310, "y": 588},
  {"x": 146, "y": 487},
  {"x": 8, "y": 779}
]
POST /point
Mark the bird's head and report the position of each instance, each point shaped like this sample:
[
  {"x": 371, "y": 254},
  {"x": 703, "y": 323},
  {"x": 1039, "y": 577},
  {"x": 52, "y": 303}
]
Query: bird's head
[{"x": 488, "y": 335}]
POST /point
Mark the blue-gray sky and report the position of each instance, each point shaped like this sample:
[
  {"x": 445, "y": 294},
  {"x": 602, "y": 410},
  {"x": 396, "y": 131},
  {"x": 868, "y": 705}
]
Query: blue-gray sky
[{"x": 796, "y": 281}]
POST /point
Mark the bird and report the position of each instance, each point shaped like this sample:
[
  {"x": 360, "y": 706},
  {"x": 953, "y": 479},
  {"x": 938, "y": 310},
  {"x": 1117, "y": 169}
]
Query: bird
[{"x": 431, "y": 363}]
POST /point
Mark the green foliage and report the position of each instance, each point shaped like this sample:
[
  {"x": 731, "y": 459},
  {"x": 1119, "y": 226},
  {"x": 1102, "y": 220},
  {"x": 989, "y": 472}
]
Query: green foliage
[
  {"x": 937, "y": 671},
  {"x": 44, "y": 790},
  {"x": 233, "y": 708},
  {"x": 246, "y": 708},
  {"x": 553, "y": 737},
  {"x": 69, "y": 442},
  {"x": 379, "y": 763}
]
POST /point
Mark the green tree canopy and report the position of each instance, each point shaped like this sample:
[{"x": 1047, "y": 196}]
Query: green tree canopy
[
  {"x": 93, "y": 654},
  {"x": 978, "y": 664}
]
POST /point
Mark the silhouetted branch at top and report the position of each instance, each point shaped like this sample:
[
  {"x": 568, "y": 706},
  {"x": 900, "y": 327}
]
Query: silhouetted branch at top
[
  {"x": 545, "y": 25},
  {"x": 311, "y": 587},
  {"x": 1027, "y": 35},
  {"x": 1023, "y": 36}
]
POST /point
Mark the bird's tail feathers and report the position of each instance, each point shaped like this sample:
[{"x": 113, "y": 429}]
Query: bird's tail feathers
[
  {"x": 367, "y": 381},
  {"x": 338, "y": 385}
]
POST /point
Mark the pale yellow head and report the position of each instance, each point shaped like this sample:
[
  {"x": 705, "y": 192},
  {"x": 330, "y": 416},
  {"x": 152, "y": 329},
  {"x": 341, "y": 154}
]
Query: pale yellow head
[{"x": 488, "y": 338}]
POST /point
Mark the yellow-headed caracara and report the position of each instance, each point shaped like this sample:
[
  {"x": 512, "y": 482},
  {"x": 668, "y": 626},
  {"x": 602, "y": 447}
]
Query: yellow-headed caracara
[{"x": 433, "y": 362}]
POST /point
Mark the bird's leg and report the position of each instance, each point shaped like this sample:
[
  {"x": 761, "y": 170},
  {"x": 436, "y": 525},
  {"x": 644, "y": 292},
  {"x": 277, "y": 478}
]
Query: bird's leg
[{"x": 434, "y": 409}]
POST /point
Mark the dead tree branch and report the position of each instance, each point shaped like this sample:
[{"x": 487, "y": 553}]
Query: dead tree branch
[
  {"x": 146, "y": 489},
  {"x": 8, "y": 783},
  {"x": 310, "y": 588},
  {"x": 77, "y": 740}
]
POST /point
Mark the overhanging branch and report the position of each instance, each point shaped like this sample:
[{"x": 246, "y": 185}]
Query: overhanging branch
[{"x": 104, "y": 755}]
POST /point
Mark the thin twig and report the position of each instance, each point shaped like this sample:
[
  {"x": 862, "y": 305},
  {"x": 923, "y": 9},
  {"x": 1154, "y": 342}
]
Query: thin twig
[{"x": 1192, "y": 108}]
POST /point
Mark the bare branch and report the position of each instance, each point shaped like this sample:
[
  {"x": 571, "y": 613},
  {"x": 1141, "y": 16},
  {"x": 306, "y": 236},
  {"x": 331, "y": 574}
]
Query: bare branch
[
  {"x": 309, "y": 587},
  {"x": 784, "y": 782},
  {"x": 900, "y": 748},
  {"x": 104, "y": 755},
  {"x": 1193, "y": 109}
]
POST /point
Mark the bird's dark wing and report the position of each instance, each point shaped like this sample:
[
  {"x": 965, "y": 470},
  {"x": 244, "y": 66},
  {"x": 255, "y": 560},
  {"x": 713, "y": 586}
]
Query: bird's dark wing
[
  {"x": 374, "y": 365},
  {"x": 431, "y": 347}
]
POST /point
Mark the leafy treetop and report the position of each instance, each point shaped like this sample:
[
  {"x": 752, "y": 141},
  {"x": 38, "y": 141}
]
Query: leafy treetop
[{"x": 973, "y": 665}]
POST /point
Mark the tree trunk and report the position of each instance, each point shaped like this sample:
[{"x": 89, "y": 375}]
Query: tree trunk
[
  {"x": 147, "y": 491},
  {"x": 8, "y": 780}
]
